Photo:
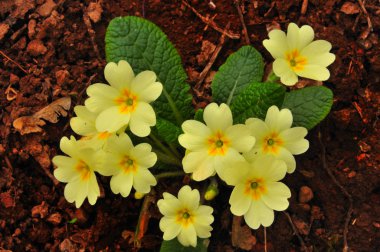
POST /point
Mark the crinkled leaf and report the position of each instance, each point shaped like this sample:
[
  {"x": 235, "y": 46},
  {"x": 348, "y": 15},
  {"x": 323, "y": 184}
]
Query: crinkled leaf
[
  {"x": 255, "y": 100},
  {"x": 199, "y": 115},
  {"x": 174, "y": 245},
  {"x": 167, "y": 131},
  {"x": 241, "y": 68},
  {"x": 146, "y": 47},
  {"x": 309, "y": 105}
]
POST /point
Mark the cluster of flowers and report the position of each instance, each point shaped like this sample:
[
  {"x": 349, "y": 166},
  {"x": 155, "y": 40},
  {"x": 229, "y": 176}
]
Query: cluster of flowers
[
  {"x": 104, "y": 147},
  {"x": 252, "y": 157}
]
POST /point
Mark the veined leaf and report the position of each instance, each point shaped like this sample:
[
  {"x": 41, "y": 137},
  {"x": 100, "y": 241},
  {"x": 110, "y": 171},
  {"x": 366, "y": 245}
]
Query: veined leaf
[
  {"x": 255, "y": 100},
  {"x": 241, "y": 68},
  {"x": 309, "y": 105}
]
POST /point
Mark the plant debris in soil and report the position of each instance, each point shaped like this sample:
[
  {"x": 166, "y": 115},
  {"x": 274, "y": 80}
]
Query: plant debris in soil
[{"x": 51, "y": 50}]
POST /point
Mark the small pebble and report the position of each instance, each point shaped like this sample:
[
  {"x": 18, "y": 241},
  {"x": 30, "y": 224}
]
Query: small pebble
[
  {"x": 55, "y": 218},
  {"x": 351, "y": 174},
  {"x": 305, "y": 194}
]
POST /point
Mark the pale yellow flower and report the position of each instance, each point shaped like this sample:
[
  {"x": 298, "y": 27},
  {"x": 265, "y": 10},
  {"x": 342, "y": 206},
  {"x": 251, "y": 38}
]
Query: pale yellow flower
[
  {"x": 275, "y": 137},
  {"x": 84, "y": 124},
  {"x": 214, "y": 146},
  {"x": 257, "y": 191},
  {"x": 296, "y": 54},
  {"x": 128, "y": 165},
  {"x": 78, "y": 171},
  {"x": 184, "y": 218},
  {"x": 125, "y": 101}
]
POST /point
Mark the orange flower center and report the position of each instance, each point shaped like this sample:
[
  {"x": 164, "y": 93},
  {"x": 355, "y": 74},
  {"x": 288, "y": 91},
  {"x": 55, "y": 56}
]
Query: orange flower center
[
  {"x": 255, "y": 188},
  {"x": 104, "y": 135},
  {"x": 128, "y": 165},
  {"x": 184, "y": 217},
  {"x": 272, "y": 143},
  {"x": 127, "y": 102},
  {"x": 295, "y": 60},
  {"x": 218, "y": 144},
  {"x": 84, "y": 170}
]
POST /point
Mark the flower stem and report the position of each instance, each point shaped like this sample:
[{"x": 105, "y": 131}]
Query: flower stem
[
  {"x": 174, "y": 150},
  {"x": 171, "y": 160},
  {"x": 272, "y": 77},
  {"x": 170, "y": 174},
  {"x": 163, "y": 148}
]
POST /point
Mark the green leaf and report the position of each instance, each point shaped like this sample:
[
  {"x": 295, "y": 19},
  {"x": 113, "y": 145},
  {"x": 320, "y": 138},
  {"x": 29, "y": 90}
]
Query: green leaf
[
  {"x": 199, "y": 115},
  {"x": 241, "y": 68},
  {"x": 174, "y": 245},
  {"x": 309, "y": 105},
  {"x": 167, "y": 131},
  {"x": 146, "y": 47},
  {"x": 255, "y": 100}
]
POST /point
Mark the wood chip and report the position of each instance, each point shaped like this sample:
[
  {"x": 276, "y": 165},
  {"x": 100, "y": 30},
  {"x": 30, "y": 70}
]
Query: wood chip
[
  {"x": 350, "y": 8},
  {"x": 242, "y": 235}
]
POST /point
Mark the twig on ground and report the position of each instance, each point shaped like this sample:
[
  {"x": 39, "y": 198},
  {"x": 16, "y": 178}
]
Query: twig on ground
[
  {"x": 304, "y": 7},
  {"x": 14, "y": 62},
  {"x": 241, "y": 17},
  {"x": 295, "y": 230},
  {"x": 360, "y": 111},
  {"x": 8, "y": 162},
  {"x": 91, "y": 32},
  {"x": 265, "y": 239},
  {"x": 342, "y": 189},
  {"x": 212, "y": 23},
  {"x": 213, "y": 57},
  {"x": 143, "y": 221},
  {"x": 369, "y": 22}
]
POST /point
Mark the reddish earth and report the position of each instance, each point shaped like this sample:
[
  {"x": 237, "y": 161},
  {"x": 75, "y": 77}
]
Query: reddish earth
[{"x": 53, "y": 49}]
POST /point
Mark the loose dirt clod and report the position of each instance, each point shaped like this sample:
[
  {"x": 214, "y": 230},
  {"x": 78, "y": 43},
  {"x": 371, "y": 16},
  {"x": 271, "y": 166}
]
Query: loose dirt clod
[
  {"x": 46, "y": 9},
  {"x": 305, "y": 194},
  {"x": 36, "y": 47}
]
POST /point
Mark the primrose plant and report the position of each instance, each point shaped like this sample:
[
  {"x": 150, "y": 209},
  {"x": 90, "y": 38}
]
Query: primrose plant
[{"x": 141, "y": 127}]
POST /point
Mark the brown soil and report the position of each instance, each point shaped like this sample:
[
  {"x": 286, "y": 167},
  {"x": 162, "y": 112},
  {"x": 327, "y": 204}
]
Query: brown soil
[{"x": 59, "y": 48}]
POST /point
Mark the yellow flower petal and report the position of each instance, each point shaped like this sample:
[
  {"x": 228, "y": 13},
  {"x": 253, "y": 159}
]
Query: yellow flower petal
[
  {"x": 188, "y": 237},
  {"x": 259, "y": 214},
  {"x": 119, "y": 75},
  {"x": 142, "y": 119},
  {"x": 169, "y": 205},
  {"x": 111, "y": 120},
  {"x": 189, "y": 198},
  {"x": 315, "y": 72},
  {"x": 93, "y": 190},
  {"x": 170, "y": 228},
  {"x": 292, "y": 36},
  {"x": 122, "y": 183},
  {"x": 66, "y": 168},
  {"x": 285, "y": 155},
  {"x": 143, "y": 180},
  {"x": 196, "y": 128},
  {"x": 278, "y": 120},
  {"x": 276, "y": 196},
  {"x": 101, "y": 96},
  {"x": 239, "y": 202},
  {"x": 281, "y": 69},
  {"x": 240, "y": 137},
  {"x": 200, "y": 164},
  {"x": 277, "y": 44},
  {"x": 217, "y": 117},
  {"x": 306, "y": 36}
]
